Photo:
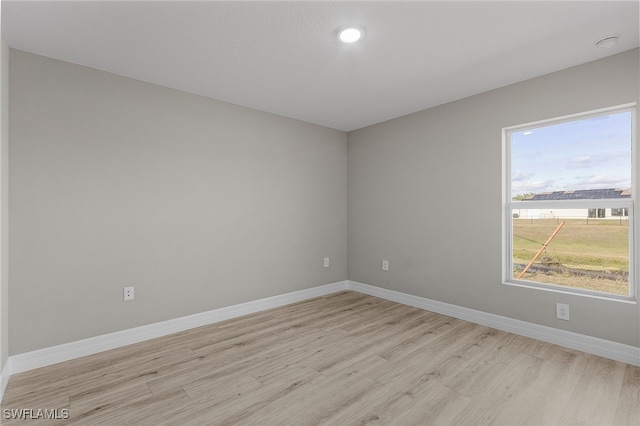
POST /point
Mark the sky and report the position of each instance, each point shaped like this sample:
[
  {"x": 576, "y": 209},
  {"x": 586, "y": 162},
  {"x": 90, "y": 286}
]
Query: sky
[{"x": 591, "y": 153}]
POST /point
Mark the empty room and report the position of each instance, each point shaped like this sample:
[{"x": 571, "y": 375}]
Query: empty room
[{"x": 315, "y": 212}]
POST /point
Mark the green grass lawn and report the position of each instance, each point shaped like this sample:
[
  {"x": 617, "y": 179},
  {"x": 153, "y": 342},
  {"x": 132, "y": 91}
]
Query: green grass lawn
[{"x": 593, "y": 245}]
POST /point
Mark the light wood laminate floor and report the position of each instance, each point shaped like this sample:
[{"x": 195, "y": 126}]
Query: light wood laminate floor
[{"x": 346, "y": 358}]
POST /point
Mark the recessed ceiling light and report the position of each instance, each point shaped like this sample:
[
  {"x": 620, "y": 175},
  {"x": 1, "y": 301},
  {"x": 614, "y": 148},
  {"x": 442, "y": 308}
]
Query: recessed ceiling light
[
  {"x": 607, "y": 42},
  {"x": 350, "y": 35}
]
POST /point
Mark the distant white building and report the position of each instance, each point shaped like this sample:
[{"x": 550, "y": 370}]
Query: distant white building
[{"x": 585, "y": 213}]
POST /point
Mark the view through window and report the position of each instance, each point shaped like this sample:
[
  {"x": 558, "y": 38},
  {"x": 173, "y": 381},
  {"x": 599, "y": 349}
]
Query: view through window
[{"x": 570, "y": 203}]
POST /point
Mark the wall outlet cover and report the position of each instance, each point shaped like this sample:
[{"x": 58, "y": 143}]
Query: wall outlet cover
[
  {"x": 562, "y": 311},
  {"x": 128, "y": 294}
]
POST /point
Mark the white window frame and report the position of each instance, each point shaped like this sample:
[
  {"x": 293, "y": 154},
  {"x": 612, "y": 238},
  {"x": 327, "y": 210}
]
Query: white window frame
[{"x": 509, "y": 205}]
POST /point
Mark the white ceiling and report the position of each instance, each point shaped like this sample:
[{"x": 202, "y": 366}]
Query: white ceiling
[{"x": 285, "y": 57}]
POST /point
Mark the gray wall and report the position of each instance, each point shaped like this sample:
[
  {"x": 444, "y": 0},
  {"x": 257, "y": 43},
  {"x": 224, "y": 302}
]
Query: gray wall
[
  {"x": 4, "y": 202},
  {"x": 425, "y": 192},
  {"x": 197, "y": 203},
  {"x": 200, "y": 204}
]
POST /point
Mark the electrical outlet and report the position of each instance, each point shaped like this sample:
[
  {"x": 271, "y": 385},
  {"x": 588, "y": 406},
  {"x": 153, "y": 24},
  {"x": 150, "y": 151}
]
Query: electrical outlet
[
  {"x": 128, "y": 294},
  {"x": 326, "y": 262},
  {"x": 562, "y": 311},
  {"x": 385, "y": 265}
]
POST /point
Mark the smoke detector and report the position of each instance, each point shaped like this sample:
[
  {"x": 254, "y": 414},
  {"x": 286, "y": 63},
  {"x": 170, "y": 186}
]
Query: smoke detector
[{"x": 607, "y": 42}]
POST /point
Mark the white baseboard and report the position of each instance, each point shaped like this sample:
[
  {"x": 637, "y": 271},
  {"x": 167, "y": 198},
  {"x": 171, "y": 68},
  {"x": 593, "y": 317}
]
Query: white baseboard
[
  {"x": 65, "y": 352},
  {"x": 5, "y": 376},
  {"x": 592, "y": 345},
  {"x": 68, "y": 351}
]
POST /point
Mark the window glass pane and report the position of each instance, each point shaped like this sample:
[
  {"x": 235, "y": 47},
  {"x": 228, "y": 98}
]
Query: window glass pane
[
  {"x": 581, "y": 159},
  {"x": 590, "y": 249}
]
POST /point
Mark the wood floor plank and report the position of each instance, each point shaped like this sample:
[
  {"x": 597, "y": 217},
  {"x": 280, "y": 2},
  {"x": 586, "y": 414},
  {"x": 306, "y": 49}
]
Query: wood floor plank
[
  {"x": 382, "y": 412},
  {"x": 597, "y": 393},
  {"x": 420, "y": 334},
  {"x": 435, "y": 405},
  {"x": 148, "y": 409},
  {"x": 344, "y": 358},
  {"x": 500, "y": 390},
  {"x": 235, "y": 410},
  {"x": 222, "y": 388},
  {"x": 57, "y": 378},
  {"x": 106, "y": 398},
  {"x": 322, "y": 398},
  {"x": 428, "y": 363},
  {"x": 544, "y": 400},
  {"x": 628, "y": 410}
]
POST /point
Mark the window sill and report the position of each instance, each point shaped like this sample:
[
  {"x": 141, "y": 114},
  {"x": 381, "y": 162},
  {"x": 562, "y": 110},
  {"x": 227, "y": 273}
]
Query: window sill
[{"x": 572, "y": 291}]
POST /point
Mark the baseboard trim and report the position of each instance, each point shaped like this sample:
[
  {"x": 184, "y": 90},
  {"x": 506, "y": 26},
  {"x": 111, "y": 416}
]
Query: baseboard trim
[
  {"x": 5, "y": 376},
  {"x": 592, "y": 345},
  {"x": 68, "y": 351}
]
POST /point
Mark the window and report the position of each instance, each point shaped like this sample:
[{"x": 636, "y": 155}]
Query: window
[
  {"x": 596, "y": 213},
  {"x": 619, "y": 212},
  {"x": 569, "y": 204}
]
